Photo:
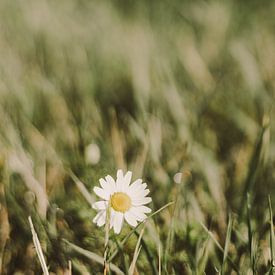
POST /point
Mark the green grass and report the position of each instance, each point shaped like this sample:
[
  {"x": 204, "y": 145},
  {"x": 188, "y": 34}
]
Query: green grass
[{"x": 160, "y": 87}]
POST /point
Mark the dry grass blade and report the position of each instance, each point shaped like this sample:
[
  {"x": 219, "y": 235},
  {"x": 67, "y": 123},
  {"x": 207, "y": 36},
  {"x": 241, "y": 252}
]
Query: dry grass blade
[
  {"x": 136, "y": 253},
  {"x": 70, "y": 268},
  {"x": 38, "y": 249}
]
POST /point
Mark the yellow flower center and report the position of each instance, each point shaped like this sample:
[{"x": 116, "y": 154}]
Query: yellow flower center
[{"x": 120, "y": 202}]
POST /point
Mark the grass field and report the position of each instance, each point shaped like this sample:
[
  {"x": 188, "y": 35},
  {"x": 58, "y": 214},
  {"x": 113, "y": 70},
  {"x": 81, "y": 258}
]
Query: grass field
[{"x": 181, "y": 93}]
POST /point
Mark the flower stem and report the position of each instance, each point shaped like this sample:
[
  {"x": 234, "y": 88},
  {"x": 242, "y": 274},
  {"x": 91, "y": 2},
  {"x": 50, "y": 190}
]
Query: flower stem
[{"x": 106, "y": 246}]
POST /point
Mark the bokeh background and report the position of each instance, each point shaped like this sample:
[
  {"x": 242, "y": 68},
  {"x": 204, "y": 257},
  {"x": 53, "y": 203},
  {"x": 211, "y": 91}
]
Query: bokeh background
[{"x": 155, "y": 87}]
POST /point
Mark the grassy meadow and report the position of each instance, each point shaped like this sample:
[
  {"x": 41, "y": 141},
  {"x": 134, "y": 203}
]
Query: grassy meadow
[{"x": 181, "y": 93}]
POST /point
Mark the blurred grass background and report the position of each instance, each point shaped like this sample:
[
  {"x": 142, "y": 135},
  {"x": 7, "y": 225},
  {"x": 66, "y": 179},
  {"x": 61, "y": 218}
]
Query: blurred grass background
[{"x": 156, "y": 87}]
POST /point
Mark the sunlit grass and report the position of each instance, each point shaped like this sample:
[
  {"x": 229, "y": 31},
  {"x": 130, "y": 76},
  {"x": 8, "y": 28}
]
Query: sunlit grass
[{"x": 155, "y": 87}]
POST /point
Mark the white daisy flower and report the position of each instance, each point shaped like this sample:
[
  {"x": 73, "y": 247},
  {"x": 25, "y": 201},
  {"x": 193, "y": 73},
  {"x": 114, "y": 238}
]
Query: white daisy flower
[{"x": 126, "y": 201}]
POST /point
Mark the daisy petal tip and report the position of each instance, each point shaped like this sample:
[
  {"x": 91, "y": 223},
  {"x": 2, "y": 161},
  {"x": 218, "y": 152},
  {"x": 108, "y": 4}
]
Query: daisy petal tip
[
  {"x": 100, "y": 223},
  {"x": 102, "y": 193},
  {"x": 127, "y": 201},
  {"x": 118, "y": 222},
  {"x": 116, "y": 231},
  {"x": 119, "y": 174},
  {"x": 146, "y": 209},
  {"x": 129, "y": 174}
]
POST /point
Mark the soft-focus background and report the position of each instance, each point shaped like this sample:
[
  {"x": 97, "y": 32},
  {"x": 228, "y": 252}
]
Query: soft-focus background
[{"x": 156, "y": 87}]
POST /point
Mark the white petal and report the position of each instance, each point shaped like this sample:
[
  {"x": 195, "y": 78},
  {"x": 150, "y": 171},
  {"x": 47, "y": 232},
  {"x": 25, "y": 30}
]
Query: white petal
[
  {"x": 103, "y": 183},
  {"x": 102, "y": 193},
  {"x": 112, "y": 217},
  {"x": 135, "y": 184},
  {"x": 96, "y": 217},
  {"x": 138, "y": 192},
  {"x": 130, "y": 218},
  {"x": 119, "y": 175},
  {"x": 144, "y": 185},
  {"x": 101, "y": 221},
  {"x": 106, "y": 185},
  {"x": 143, "y": 209},
  {"x": 111, "y": 181},
  {"x": 124, "y": 184},
  {"x": 100, "y": 218},
  {"x": 127, "y": 178},
  {"x": 142, "y": 193},
  {"x": 138, "y": 214},
  {"x": 100, "y": 205},
  {"x": 141, "y": 201},
  {"x": 138, "y": 187},
  {"x": 118, "y": 221},
  {"x": 119, "y": 180}
]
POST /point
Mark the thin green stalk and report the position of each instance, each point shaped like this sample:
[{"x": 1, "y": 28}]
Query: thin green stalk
[
  {"x": 122, "y": 243},
  {"x": 106, "y": 243},
  {"x": 233, "y": 265},
  {"x": 92, "y": 256},
  {"x": 254, "y": 165},
  {"x": 149, "y": 256},
  {"x": 272, "y": 238},
  {"x": 125, "y": 261},
  {"x": 250, "y": 235},
  {"x": 170, "y": 236},
  {"x": 136, "y": 253},
  {"x": 159, "y": 259},
  {"x": 227, "y": 243}
]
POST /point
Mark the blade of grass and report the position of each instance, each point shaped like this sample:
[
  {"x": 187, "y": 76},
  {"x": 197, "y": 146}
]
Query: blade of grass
[
  {"x": 4, "y": 221},
  {"x": 272, "y": 238},
  {"x": 171, "y": 233},
  {"x": 202, "y": 261},
  {"x": 136, "y": 253},
  {"x": 220, "y": 247},
  {"x": 107, "y": 235},
  {"x": 149, "y": 256},
  {"x": 124, "y": 258},
  {"x": 159, "y": 258},
  {"x": 38, "y": 249},
  {"x": 122, "y": 243},
  {"x": 227, "y": 243},
  {"x": 81, "y": 187},
  {"x": 250, "y": 234},
  {"x": 257, "y": 158},
  {"x": 80, "y": 267},
  {"x": 70, "y": 267},
  {"x": 92, "y": 256}
]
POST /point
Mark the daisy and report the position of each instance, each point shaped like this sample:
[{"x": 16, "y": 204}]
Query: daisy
[{"x": 126, "y": 201}]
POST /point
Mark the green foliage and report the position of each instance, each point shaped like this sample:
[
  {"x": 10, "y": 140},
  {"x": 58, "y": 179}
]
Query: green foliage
[{"x": 158, "y": 87}]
